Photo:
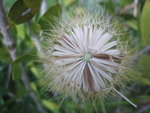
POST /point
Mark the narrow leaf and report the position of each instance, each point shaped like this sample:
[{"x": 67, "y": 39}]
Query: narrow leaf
[
  {"x": 50, "y": 105},
  {"x": 16, "y": 72},
  {"x": 145, "y": 24}
]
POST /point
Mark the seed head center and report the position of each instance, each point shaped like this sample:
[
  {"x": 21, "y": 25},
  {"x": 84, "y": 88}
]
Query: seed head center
[{"x": 87, "y": 57}]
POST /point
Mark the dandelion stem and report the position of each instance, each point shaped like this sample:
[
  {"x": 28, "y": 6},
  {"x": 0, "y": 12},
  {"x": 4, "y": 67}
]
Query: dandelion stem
[{"x": 125, "y": 98}]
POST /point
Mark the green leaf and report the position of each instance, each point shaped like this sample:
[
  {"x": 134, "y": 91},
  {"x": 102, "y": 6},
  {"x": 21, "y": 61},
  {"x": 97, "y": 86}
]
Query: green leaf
[
  {"x": 142, "y": 80},
  {"x": 108, "y": 5},
  {"x": 33, "y": 86},
  {"x": 144, "y": 64},
  {"x": 145, "y": 23},
  {"x": 21, "y": 91},
  {"x": 4, "y": 55},
  {"x": 133, "y": 24},
  {"x": 122, "y": 3},
  {"x": 36, "y": 71},
  {"x": 51, "y": 106},
  {"x": 16, "y": 72},
  {"x": 23, "y": 10},
  {"x": 49, "y": 18},
  {"x": 34, "y": 4},
  {"x": 143, "y": 75},
  {"x": 138, "y": 77},
  {"x": 26, "y": 57},
  {"x": 8, "y": 4},
  {"x": 20, "y": 31},
  {"x": 35, "y": 28}
]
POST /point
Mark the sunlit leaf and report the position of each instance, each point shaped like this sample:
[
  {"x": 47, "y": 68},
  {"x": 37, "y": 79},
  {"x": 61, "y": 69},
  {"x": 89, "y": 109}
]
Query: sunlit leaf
[
  {"x": 51, "y": 106},
  {"x": 20, "y": 31},
  {"x": 69, "y": 2},
  {"x": 133, "y": 24},
  {"x": 35, "y": 71},
  {"x": 33, "y": 86},
  {"x": 145, "y": 23}
]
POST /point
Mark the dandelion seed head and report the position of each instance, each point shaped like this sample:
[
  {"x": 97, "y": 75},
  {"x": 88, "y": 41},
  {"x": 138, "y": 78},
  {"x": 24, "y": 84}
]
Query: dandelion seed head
[{"x": 85, "y": 57}]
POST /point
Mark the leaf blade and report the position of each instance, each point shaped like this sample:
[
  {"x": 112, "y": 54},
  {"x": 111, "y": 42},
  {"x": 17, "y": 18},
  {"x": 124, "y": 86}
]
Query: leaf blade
[{"x": 145, "y": 24}]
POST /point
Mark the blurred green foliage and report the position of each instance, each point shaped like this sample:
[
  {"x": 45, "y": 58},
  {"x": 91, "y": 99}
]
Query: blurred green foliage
[{"x": 27, "y": 23}]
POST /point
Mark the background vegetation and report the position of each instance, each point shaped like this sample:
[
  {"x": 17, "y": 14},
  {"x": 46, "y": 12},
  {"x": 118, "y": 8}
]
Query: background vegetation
[{"x": 20, "y": 88}]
